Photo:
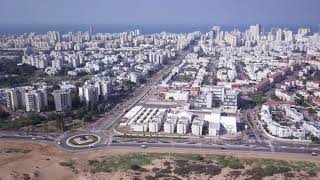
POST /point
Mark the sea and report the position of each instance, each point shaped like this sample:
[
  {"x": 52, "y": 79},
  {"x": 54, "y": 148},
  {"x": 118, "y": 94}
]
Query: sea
[{"x": 144, "y": 28}]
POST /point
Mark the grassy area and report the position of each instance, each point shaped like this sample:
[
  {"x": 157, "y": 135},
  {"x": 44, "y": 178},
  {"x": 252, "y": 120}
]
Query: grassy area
[
  {"x": 183, "y": 165},
  {"x": 68, "y": 163},
  {"x": 30, "y": 120},
  {"x": 124, "y": 162}
]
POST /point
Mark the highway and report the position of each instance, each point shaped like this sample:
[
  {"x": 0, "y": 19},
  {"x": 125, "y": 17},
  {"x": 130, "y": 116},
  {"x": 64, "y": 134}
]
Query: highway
[{"x": 167, "y": 145}]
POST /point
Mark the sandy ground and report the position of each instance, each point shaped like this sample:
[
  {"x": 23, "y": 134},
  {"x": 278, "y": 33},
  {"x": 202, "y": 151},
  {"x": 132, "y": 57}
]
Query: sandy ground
[{"x": 43, "y": 161}]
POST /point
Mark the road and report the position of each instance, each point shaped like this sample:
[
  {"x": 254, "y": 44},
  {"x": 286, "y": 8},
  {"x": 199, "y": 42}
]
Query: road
[{"x": 198, "y": 146}]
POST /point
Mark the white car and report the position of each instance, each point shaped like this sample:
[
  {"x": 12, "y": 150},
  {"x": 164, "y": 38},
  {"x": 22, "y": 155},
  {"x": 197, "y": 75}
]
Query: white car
[
  {"x": 91, "y": 145},
  {"x": 59, "y": 142}
]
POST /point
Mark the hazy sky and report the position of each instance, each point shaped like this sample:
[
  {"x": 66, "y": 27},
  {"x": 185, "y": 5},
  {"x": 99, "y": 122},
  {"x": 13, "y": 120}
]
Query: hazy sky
[{"x": 160, "y": 11}]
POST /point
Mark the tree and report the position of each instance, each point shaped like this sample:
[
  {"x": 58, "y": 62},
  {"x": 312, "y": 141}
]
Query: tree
[
  {"x": 59, "y": 123},
  {"x": 311, "y": 111},
  {"x": 315, "y": 139},
  {"x": 274, "y": 97},
  {"x": 3, "y": 114}
]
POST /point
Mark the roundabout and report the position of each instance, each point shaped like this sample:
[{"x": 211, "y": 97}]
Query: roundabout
[{"x": 83, "y": 140}]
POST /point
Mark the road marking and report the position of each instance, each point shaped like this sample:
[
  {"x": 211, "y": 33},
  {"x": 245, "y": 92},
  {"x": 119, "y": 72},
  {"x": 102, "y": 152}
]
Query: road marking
[
  {"x": 110, "y": 139},
  {"x": 271, "y": 146}
]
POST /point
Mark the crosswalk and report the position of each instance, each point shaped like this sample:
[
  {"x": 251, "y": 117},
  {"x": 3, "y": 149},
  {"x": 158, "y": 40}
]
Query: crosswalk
[
  {"x": 110, "y": 139},
  {"x": 270, "y": 145}
]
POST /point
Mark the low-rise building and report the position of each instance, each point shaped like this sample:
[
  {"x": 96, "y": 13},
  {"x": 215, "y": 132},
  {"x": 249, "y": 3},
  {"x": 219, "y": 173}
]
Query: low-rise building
[
  {"x": 197, "y": 127},
  {"x": 312, "y": 127},
  {"x": 285, "y": 96}
]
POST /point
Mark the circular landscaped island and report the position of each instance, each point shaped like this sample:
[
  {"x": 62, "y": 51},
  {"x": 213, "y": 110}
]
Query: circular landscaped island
[{"x": 83, "y": 140}]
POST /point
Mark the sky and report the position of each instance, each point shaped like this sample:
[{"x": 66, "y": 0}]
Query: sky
[{"x": 160, "y": 11}]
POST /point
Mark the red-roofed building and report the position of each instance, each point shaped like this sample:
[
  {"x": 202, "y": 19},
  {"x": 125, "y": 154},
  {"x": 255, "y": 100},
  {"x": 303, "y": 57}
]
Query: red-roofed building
[{"x": 273, "y": 103}]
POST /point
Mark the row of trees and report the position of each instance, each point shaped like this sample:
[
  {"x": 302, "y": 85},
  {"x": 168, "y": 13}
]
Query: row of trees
[{"x": 31, "y": 119}]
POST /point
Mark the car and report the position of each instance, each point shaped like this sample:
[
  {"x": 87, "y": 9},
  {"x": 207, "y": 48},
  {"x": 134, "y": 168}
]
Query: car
[
  {"x": 314, "y": 154},
  {"x": 59, "y": 142},
  {"x": 33, "y": 138},
  {"x": 143, "y": 146}
]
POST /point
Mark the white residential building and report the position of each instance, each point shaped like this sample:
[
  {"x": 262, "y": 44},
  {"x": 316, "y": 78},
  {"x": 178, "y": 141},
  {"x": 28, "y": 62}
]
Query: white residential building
[
  {"x": 62, "y": 99},
  {"x": 312, "y": 127},
  {"x": 182, "y": 126},
  {"x": 221, "y": 124},
  {"x": 36, "y": 100},
  {"x": 197, "y": 127},
  {"x": 169, "y": 126},
  {"x": 293, "y": 114},
  {"x": 89, "y": 94},
  {"x": 278, "y": 130},
  {"x": 15, "y": 97}
]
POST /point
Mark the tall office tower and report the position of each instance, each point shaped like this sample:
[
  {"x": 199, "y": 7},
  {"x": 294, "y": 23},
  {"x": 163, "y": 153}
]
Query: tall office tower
[
  {"x": 255, "y": 31},
  {"x": 91, "y": 30},
  {"x": 137, "y": 32},
  {"x": 279, "y": 35},
  {"x": 15, "y": 97},
  {"x": 36, "y": 100},
  {"x": 216, "y": 32},
  {"x": 303, "y": 32},
  {"x": 272, "y": 35},
  {"x": 58, "y": 37},
  {"x": 288, "y": 35},
  {"x": 212, "y": 33},
  {"x": 62, "y": 99},
  {"x": 231, "y": 39}
]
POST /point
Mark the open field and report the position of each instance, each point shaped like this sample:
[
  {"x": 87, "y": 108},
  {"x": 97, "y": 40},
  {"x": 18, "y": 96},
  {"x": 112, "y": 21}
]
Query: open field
[{"x": 22, "y": 160}]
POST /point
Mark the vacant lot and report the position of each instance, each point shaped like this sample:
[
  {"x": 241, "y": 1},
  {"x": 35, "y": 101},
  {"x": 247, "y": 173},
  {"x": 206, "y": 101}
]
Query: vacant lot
[{"x": 22, "y": 160}]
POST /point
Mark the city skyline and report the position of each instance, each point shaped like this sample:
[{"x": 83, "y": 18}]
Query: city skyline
[
  {"x": 160, "y": 12},
  {"x": 159, "y": 89}
]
